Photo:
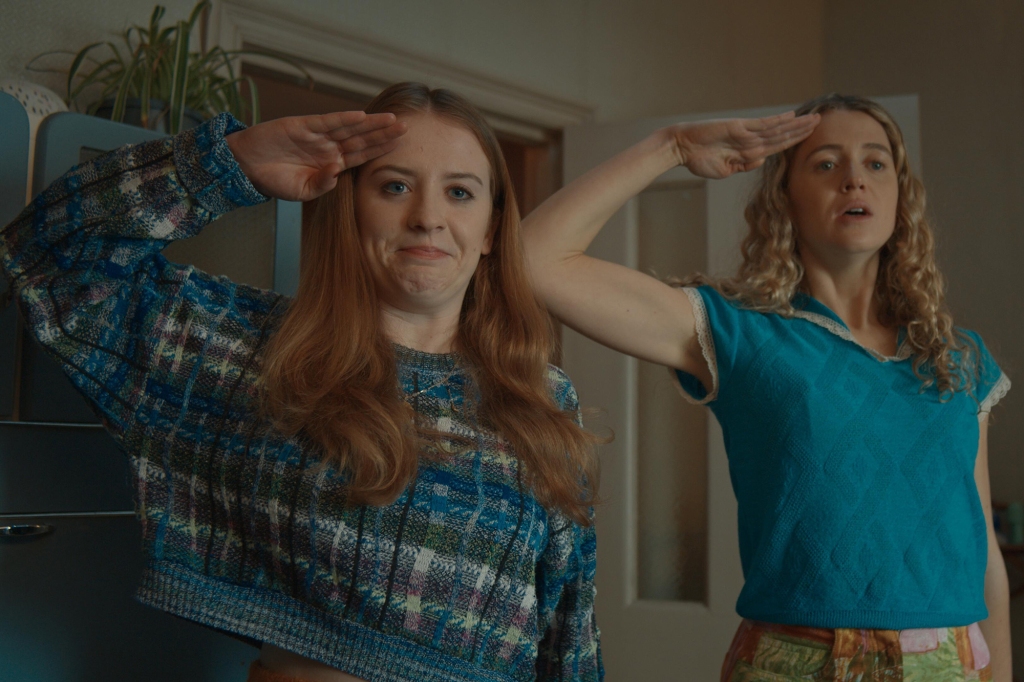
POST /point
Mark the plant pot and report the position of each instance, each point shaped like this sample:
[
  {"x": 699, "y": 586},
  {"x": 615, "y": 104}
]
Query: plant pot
[{"x": 157, "y": 115}]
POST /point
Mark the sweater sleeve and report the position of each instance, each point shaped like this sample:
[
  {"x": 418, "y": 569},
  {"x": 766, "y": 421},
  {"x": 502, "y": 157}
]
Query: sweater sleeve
[
  {"x": 570, "y": 647},
  {"x": 83, "y": 261}
]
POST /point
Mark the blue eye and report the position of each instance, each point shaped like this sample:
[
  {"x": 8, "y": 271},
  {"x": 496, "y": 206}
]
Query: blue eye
[
  {"x": 826, "y": 165},
  {"x": 460, "y": 193},
  {"x": 877, "y": 165},
  {"x": 396, "y": 187}
]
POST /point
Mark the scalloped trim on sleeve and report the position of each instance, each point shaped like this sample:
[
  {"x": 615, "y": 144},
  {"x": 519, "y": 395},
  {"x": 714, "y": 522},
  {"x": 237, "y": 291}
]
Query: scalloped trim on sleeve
[
  {"x": 707, "y": 348},
  {"x": 997, "y": 393}
]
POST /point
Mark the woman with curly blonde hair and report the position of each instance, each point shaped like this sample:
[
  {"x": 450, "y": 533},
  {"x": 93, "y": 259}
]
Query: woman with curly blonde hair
[{"x": 855, "y": 414}]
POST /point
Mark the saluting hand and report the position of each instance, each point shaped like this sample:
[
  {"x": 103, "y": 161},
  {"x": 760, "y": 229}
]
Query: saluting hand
[
  {"x": 719, "y": 148},
  {"x": 298, "y": 158}
]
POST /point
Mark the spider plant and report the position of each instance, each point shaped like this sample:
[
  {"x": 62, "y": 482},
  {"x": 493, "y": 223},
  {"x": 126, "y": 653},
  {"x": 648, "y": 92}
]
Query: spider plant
[{"x": 155, "y": 65}]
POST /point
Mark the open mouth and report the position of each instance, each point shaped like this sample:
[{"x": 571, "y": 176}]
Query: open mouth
[{"x": 857, "y": 211}]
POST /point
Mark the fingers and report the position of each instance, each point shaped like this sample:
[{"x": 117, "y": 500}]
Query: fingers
[
  {"x": 361, "y": 156},
  {"x": 769, "y": 122},
  {"x": 325, "y": 123},
  {"x": 372, "y": 122},
  {"x": 325, "y": 180},
  {"x": 789, "y": 135},
  {"x": 788, "y": 129},
  {"x": 371, "y": 138},
  {"x": 781, "y": 132},
  {"x": 752, "y": 165}
]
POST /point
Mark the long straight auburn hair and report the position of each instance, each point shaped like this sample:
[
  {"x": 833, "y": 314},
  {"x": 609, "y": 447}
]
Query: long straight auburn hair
[{"x": 330, "y": 375}]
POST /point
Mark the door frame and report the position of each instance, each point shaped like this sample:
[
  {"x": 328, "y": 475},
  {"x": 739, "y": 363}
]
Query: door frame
[{"x": 366, "y": 66}]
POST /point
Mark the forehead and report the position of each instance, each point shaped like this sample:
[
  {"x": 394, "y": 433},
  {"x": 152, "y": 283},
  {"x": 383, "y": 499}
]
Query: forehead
[
  {"x": 847, "y": 130},
  {"x": 434, "y": 144}
]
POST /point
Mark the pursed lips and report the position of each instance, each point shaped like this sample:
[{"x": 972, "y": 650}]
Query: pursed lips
[{"x": 424, "y": 252}]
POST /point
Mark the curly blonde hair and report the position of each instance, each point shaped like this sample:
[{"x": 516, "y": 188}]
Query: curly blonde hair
[{"x": 910, "y": 288}]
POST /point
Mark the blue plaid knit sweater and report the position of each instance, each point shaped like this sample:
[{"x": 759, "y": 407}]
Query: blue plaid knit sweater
[{"x": 465, "y": 577}]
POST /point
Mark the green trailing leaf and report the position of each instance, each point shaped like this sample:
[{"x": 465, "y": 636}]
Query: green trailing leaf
[
  {"x": 124, "y": 88},
  {"x": 79, "y": 58},
  {"x": 196, "y": 12},
  {"x": 100, "y": 74},
  {"x": 179, "y": 79},
  {"x": 30, "y": 66},
  {"x": 154, "y": 21},
  {"x": 146, "y": 94}
]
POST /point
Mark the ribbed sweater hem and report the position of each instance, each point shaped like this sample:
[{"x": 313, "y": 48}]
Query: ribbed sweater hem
[
  {"x": 267, "y": 616},
  {"x": 868, "y": 620}
]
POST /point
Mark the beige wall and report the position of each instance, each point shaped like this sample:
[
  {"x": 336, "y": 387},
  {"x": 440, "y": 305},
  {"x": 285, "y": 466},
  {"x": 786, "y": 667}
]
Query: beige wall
[
  {"x": 966, "y": 61},
  {"x": 662, "y": 57},
  {"x": 30, "y": 28},
  {"x": 628, "y": 59}
]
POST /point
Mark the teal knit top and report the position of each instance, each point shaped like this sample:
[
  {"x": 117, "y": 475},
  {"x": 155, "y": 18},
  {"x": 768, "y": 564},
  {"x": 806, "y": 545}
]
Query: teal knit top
[
  {"x": 465, "y": 577},
  {"x": 857, "y": 501}
]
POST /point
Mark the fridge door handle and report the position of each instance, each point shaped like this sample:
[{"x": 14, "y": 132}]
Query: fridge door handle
[{"x": 25, "y": 530}]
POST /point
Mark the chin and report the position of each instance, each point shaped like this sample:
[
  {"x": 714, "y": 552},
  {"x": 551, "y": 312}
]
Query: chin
[{"x": 864, "y": 241}]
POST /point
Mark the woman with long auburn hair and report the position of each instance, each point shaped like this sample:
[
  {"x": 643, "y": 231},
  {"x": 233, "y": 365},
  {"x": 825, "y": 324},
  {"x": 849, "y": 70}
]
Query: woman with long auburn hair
[
  {"x": 382, "y": 479},
  {"x": 855, "y": 413}
]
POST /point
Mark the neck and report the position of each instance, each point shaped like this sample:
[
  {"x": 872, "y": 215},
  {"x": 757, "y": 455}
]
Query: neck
[
  {"x": 427, "y": 332},
  {"x": 848, "y": 289}
]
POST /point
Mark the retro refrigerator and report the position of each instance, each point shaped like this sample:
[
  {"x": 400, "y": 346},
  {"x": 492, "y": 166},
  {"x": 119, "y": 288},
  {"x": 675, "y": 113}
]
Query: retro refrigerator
[{"x": 70, "y": 546}]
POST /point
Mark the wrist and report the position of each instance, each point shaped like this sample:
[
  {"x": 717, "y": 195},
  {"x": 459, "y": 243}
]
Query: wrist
[{"x": 665, "y": 142}]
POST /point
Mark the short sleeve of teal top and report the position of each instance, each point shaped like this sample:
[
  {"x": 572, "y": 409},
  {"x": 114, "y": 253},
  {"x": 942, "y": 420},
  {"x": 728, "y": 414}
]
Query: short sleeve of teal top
[{"x": 855, "y": 487}]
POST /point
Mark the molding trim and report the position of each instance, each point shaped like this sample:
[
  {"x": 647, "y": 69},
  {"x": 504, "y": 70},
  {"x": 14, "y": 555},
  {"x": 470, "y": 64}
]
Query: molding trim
[{"x": 365, "y": 66}]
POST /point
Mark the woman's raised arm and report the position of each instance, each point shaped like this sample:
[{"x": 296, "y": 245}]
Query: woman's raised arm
[
  {"x": 83, "y": 260},
  {"x": 617, "y": 306}
]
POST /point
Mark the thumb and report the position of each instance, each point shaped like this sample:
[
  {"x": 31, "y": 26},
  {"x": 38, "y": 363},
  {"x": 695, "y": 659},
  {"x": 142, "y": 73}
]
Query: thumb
[{"x": 325, "y": 180}]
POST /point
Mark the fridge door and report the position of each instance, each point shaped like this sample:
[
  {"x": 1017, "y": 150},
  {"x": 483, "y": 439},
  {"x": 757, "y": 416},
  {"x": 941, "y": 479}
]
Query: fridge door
[{"x": 69, "y": 613}]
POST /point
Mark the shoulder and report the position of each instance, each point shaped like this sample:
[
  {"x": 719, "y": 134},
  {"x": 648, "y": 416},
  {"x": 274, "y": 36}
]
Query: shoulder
[
  {"x": 562, "y": 390},
  {"x": 974, "y": 336},
  {"x": 976, "y": 354},
  {"x": 708, "y": 301},
  {"x": 990, "y": 384},
  {"x": 724, "y": 321}
]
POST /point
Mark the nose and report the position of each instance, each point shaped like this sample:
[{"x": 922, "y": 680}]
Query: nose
[
  {"x": 854, "y": 179},
  {"x": 427, "y": 212}
]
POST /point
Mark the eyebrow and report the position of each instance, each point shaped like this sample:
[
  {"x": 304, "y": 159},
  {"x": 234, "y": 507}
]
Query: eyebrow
[
  {"x": 836, "y": 147},
  {"x": 401, "y": 170}
]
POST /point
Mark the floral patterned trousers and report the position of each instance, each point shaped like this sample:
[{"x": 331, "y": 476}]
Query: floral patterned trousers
[{"x": 763, "y": 652}]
